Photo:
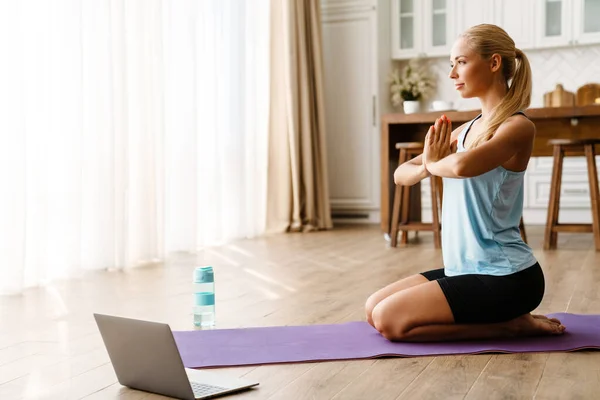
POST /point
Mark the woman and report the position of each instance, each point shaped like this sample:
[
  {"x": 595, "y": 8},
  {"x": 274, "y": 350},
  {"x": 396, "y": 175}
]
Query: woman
[{"x": 491, "y": 280}]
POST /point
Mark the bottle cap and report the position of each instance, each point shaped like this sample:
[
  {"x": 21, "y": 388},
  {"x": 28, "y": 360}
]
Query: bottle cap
[
  {"x": 204, "y": 299},
  {"x": 204, "y": 274}
]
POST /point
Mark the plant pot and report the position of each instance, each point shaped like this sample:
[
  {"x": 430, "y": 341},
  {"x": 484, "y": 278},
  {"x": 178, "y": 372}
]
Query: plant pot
[{"x": 411, "y": 106}]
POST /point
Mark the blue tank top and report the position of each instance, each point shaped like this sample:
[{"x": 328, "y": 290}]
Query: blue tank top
[{"x": 480, "y": 222}]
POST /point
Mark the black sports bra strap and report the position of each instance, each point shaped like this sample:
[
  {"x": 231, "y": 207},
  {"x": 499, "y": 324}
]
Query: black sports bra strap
[{"x": 522, "y": 113}]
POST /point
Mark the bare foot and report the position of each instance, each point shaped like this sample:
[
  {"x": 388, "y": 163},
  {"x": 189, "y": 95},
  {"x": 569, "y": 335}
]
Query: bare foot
[
  {"x": 556, "y": 320},
  {"x": 536, "y": 325}
]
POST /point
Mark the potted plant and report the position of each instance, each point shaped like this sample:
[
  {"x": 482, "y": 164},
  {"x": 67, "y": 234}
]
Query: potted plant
[{"x": 408, "y": 86}]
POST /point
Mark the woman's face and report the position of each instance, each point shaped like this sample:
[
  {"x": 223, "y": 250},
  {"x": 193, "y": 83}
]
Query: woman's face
[{"x": 471, "y": 74}]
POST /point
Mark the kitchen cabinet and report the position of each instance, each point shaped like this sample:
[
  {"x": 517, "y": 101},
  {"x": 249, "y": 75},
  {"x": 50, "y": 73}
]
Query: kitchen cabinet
[
  {"x": 428, "y": 28},
  {"x": 554, "y": 23},
  {"x": 586, "y": 22},
  {"x": 422, "y": 28},
  {"x": 502, "y": 13},
  {"x": 518, "y": 25},
  {"x": 567, "y": 23}
]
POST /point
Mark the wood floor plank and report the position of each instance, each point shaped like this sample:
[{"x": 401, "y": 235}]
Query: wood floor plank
[
  {"x": 122, "y": 393},
  {"x": 509, "y": 376},
  {"x": 385, "y": 379},
  {"x": 323, "y": 381},
  {"x": 79, "y": 386},
  {"x": 452, "y": 377},
  {"x": 273, "y": 378},
  {"x": 570, "y": 376}
]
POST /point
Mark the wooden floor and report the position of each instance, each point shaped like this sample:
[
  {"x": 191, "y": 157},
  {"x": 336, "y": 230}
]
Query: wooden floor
[{"x": 50, "y": 347}]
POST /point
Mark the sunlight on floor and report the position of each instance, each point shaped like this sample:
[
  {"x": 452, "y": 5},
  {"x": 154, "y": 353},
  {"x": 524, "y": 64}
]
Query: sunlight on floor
[{"x": 269, "y": 280}]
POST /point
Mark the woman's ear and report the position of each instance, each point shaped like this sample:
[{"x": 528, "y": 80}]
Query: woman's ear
[{"x": 495, "y": 62}]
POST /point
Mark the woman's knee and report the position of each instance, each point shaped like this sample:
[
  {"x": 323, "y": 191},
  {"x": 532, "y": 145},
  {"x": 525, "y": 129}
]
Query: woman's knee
[
  {"x": 382, "y": 294},
  {"x": 390, "y": 323},
  {"x": 370, "y": 304}
]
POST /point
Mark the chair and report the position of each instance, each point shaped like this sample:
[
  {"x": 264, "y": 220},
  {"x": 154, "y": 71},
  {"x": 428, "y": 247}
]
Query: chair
[
  {"x": 576, "y": 147},
  {"x": 401, "y": 209}
]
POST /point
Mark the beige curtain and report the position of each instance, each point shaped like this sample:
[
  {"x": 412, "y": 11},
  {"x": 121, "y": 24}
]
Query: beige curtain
[{"x": 298, "y": 195}]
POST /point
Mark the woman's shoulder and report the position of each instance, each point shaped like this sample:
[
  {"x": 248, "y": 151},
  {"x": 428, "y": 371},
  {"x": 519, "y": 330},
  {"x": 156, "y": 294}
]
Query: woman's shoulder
[
  {"x": 518, "y": 124},
  {"x": 520, "y": 119}
]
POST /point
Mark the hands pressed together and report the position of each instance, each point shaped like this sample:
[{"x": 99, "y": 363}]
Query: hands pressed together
[{"x": 437, "y": 142}]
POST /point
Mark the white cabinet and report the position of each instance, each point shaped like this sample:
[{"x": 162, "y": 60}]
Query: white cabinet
[
  {"x": 407, "y": 17},
  {"x": 424, "y": 28},
  {"x": 350, "y": 63},
  {"x": 567, "y": 22},
  {"x": 502, "y": 13},
  {"x": 586, "y": 21},
  {"x": 574, "y": 192},
  {"x": 519, "y": 25},
  {"x": 439, "y": 29},
  {"x": 473, "y": 13},
  {"x": 554, "y": 23},
  {"x": 427, "y": 28}
]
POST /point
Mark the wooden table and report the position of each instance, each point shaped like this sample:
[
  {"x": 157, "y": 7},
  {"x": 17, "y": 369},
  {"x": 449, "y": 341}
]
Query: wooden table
[{"x": 551, "y": 123}]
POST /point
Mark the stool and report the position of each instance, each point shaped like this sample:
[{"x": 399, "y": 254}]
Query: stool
[
  {"x": 400, "y": 214},
  {"x": 577, "y": 148}
]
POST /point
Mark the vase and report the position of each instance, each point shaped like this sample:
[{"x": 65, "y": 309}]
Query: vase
[{"x": 411, "y": 106}]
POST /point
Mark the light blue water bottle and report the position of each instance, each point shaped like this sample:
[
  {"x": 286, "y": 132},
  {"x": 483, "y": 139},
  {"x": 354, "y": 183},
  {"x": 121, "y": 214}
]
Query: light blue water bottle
[{"x": 204, "y": 298}]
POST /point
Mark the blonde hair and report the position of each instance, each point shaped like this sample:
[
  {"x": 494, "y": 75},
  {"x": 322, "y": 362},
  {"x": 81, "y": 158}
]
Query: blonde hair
[{"x": 487, "y": 40}]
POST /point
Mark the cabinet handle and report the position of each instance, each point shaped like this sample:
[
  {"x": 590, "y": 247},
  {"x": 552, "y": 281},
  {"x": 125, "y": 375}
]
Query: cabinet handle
[
  {"x": 575, "y": 191},
  {"x": 374, "y": 110}
]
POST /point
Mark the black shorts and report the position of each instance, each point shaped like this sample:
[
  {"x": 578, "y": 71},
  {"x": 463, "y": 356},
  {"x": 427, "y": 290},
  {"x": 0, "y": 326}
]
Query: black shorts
[{"x": 488, "y": 298}]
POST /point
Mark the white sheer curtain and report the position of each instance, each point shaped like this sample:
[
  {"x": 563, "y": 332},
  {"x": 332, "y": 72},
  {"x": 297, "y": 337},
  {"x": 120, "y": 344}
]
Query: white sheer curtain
[
  {"x": 128, "y": 129},
  {"x": 217, "y": 60}
]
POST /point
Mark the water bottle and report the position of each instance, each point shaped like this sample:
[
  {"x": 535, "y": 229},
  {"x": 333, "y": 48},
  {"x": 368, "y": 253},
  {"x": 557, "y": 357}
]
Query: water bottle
[{"x": 204, "y": 298}]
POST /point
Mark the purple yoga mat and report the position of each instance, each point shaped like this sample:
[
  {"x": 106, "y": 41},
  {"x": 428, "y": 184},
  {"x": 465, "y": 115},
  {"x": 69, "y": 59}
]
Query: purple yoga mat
[{"x": 355, "y": 340}]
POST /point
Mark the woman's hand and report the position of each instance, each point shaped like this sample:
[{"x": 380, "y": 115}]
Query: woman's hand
[{"x": 437, "y": 141}]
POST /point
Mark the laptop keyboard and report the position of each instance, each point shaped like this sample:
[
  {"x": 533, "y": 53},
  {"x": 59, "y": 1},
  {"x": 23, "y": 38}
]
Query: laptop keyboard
[{"x": 201, "y": 389}]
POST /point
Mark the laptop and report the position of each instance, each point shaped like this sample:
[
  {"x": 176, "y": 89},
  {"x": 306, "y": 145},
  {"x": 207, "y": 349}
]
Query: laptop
[{"x": 145, "y": 357}]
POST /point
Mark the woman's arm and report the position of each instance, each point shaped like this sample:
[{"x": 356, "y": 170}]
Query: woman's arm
[
  {"x": 414, "y": 171},
  {"x": 411, "y": 172},
  {"x": 512, "y": 136}
]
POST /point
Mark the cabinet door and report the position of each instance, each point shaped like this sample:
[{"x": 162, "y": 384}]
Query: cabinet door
[
  {"x": 519, "y": 25},
  {"x": 439, "y": 27},
  {"x": 350, "y": 83},
  {"x": 407, "y": 16},
  {"x": 574, "y": 191},
  {"x": 586, "y": 22},
  {"x": 473, "y": 13},
  {"x": 554, "y": 27}
]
